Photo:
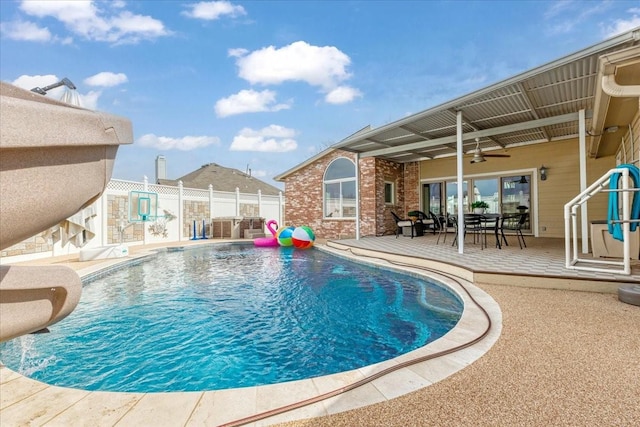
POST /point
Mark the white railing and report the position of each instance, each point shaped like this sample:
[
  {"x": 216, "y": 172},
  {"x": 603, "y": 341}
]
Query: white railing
[{"x": 572, "y": 259}]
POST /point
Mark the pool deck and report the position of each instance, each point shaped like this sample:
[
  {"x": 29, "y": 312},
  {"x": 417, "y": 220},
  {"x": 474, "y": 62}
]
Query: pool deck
[{"x": 550, "y": 357}]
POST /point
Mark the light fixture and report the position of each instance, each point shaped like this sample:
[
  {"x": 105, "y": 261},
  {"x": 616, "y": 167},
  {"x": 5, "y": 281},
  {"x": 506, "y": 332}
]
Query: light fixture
[
  {"x": 523, "y": 180},
  {"x": 543, "y": 173}
]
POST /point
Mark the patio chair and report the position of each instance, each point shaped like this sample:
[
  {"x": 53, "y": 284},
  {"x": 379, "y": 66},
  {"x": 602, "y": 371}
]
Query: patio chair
[
  {"x": 401, "y": 223},
  {"x": 514, "y": 223},
  {"x": 472, "y": 224},
  {"x": 426, "y": 219},
  {"x": 443, "y": 227}
]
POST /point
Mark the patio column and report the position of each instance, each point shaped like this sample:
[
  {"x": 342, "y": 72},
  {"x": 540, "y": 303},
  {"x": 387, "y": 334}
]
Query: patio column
[
  {"x": 582, "y": 142},
  {"x": 460, "y": 174},
  {"x": 357, "y": 196}
]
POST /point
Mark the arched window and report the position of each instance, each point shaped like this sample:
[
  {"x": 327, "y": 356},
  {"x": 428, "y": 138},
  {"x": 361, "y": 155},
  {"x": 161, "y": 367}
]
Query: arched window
[{"x": 340, "y": 189}]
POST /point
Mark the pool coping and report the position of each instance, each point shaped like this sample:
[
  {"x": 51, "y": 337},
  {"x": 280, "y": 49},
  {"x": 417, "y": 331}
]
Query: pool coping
[{"x": 24, "y": 400}]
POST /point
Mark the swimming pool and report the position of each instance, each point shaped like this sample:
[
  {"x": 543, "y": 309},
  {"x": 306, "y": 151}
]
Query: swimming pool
[{"x": 225, "y": 316}]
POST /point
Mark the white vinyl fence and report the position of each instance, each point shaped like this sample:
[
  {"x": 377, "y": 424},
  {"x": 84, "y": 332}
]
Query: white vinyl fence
[{"x": 178, "y": 209}]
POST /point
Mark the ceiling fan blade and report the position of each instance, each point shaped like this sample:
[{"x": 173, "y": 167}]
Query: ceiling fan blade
[{"x": 496, "y": 155}]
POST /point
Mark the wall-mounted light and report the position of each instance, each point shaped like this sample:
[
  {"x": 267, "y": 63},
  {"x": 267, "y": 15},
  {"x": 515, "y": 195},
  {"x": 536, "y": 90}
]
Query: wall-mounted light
[{"x": 543, "y": 173}]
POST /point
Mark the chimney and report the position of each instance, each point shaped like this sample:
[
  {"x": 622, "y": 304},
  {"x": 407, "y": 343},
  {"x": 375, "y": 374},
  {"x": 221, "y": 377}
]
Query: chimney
[{"x": 161, "y": 168}]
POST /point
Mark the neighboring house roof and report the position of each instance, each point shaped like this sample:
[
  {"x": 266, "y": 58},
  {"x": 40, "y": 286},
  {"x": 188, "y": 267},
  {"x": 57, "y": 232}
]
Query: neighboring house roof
[
  {"x": 223, "y": 179},
  {"x": 540, "y": 105}
]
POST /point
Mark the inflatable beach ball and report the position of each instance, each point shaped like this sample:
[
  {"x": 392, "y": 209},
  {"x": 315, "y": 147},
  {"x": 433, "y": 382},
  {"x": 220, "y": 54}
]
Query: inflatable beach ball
[
  {"x": 285, "y": 235},
  {"x": 303, "y": 237}
]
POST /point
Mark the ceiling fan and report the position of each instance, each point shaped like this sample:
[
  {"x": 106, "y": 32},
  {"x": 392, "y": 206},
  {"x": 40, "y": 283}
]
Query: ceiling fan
[{"x": 479, "y": 156}]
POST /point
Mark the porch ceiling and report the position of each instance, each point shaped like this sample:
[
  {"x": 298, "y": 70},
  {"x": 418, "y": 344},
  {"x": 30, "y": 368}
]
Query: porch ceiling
[{"x": 538, "y": 106}]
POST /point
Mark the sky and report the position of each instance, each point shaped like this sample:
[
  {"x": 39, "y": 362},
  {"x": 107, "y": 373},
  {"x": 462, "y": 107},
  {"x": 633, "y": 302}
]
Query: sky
[{"x": 265, "y": 85}]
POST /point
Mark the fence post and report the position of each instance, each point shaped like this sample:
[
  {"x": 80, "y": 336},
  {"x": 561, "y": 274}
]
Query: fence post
[
  {"x": 180, "y": 212},
  {"x": 237, "y": 201},
  {"x": 259, "y": 203},
  {"x": 280, "y": 214},
  {"x": 210, "y": 202},
  {"x": 104, "y": 217}
]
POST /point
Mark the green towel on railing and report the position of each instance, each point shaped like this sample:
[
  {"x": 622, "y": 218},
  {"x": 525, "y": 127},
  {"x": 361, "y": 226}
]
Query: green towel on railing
[{"x": 615, "y": 228}]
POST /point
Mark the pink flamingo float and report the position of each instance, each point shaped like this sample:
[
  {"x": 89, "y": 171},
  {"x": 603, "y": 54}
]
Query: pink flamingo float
[{"x": 268, "y": 241}]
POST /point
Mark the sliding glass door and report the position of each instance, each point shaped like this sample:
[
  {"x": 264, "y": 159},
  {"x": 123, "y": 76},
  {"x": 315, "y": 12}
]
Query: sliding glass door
[
  {"x": 432, "y": 198},
  {"x": 504, "y": 195},
  {"x": 452, "y": 197},
  {"x": 486, "y": 190},
  {"x": 516, "y": 196}
]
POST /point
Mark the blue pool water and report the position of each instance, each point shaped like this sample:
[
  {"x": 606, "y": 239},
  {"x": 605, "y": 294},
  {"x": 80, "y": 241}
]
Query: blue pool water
[{"x": 224, "y": 316}]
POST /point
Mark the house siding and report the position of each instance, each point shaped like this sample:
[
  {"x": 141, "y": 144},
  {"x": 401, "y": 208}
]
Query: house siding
[{"x": 563, "y": 183}]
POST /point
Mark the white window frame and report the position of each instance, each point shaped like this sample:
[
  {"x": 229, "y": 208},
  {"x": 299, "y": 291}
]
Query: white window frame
[
  {"x": 393, "y": 193},
  {"x": 340, "y": 181}
]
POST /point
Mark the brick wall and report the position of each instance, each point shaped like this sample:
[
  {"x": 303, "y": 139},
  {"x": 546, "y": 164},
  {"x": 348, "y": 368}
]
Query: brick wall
[
  {"x": 387, "y": 171},
  {"x": 412, "y": 187},
  {"x": 304, "y": 194}
]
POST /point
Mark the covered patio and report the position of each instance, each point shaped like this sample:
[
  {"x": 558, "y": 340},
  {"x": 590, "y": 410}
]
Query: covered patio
[
  {"x": 540, "y": 265},
  {"x": 559, "y": 128}
]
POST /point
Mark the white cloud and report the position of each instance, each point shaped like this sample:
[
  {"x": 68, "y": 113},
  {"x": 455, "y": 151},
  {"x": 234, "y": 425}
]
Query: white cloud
[
  {"x": 90, "y": 100},
  {"x": 109, "y": 23},
  {"x": 248, "y": 101},
  {"x": 29, "y": 82},
  {"x": 186, "y": 143},
  {"x": 106, "y": 79},
  {"x": 321, "y": 66},
  {"x": 25, "y": 31},
  {"x": 212, "y": 10},
  {"x": 237, "y": 52},
  {"x": 620, "y": 26},
  {"x": 271, "y": 139},
  {"x": 342, "y": 95}
]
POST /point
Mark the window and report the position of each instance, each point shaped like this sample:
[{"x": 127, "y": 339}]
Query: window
[
  {"x": 452, "y": 197},
  {"x": 432, "y": 198},
  {"x": 389, "y": 193},
  {"x": 486, "y": 190},
  {"x": 340, "y": 189}
]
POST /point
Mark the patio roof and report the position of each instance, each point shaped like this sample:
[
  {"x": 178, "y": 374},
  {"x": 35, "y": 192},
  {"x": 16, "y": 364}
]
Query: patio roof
[{"x": 538, "y": 106}]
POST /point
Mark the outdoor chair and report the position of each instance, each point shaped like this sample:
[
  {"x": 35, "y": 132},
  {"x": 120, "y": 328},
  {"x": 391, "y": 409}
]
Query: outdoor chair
[
  {"x": 426, "y": 219},
  {"x": 443, "y": 227},
  {"x": 473, "y": 225},
  {"x": 491, "y": 225},
  {"x": 401, "y": 223},
  {"x": 515, "y": 223}
]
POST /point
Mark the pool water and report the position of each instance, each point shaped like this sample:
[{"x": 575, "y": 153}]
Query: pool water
[{"x": 226, "y": 316}]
